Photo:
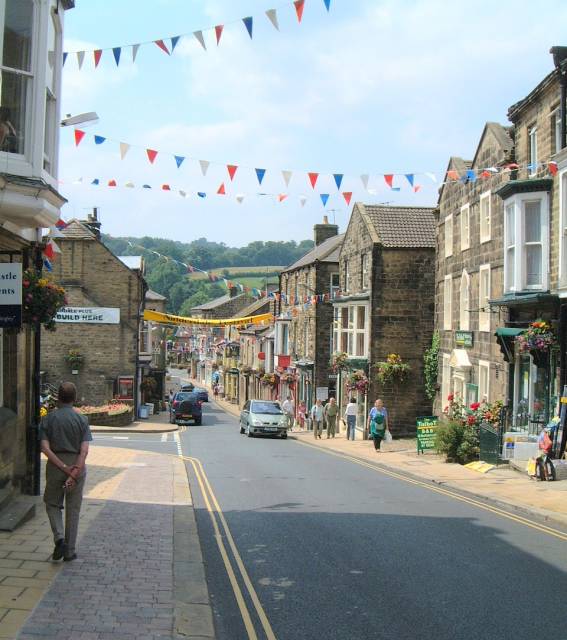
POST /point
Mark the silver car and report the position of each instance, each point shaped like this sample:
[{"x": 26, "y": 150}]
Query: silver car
[{"x": 263, "y": 417}]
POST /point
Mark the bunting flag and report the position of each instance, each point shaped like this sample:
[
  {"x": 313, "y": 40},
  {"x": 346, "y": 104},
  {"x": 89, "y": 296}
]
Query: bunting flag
[
  {"x": 116, "y": 51},
  {"x": 470, "y": 175},
  {"x": 389, "y": 179},
  {"x": 552, "y": 168},
  {"x": 299, "y": 5},
  {"x": 129, "y": 185},
  {"x": 79, "y": 135},
  {"x": 338, "y": 180},
  {"x": 96, "y": 181},
  {"x": 452, "y": 175},
  {"x": 165, "y": 187},
  {"x": 65, "y": 54},
  {"x": 161, "y": 44},
  {"x": 287, "y": 177},
  {"x": 135, "y": 48},
  {"x": 260, "y": 173},
  {"x": 97, "y": 56},
  {"x": 416, "y": 188},
  {"x": 179, "y": 160},
  {"x": 324, "y": 198},
  {"x": 218, "y": 32},
  {"x": 232, "y": 168},
  {"x": 201, "y": 194},
  {"x": 112, "y": 183},
  {"x": 174, "y": 42},
  {"x": 204, "y": 166},
  {"x": 410, "y": 178},
  {"x": 282, "y": 197},
  {"x": 431, "y": 176},
  {"x": 221, "y": 190},
  {"x": 248, "y": 23},
  {"x": 273, "y": 18},
  {"x": 99, "y": 139},
  {"x": 327, "y": 4},
  {"x": 313, "y": 178},
  {"x": 302, "y": 200},
  {"x": 239, "y": 198},
  {"x": 182, "y": 193},
  {"x": 47, "y": 264},
  {"x": 124, "y": 147},
  {"x": 200, "y": 39},
  {"x": 364, "y": 178},
  {"x": 347, "y": 195},
  {"x": 80, "y": 59},
  {"x": 151, "y": 153}
]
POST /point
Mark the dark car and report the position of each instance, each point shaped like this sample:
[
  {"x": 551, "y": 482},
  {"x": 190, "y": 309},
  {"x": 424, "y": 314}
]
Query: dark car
[
  {"x": 202, "y": 394},
  {"x": 189, "y": 386},
  {"x": 185, "y": 406}
]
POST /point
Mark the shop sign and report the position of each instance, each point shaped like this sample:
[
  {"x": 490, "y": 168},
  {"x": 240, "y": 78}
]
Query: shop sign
[
  {"x": 321, "y": 393},
  {"x": 10, "y": 295},
  {"x": 261, "y": 355},
  {"x": 333, "y": 376},
  {"x": 88, "y": 315},
  {"x": 426, "y": 433},
  {"x": 464, "y": 339},
  {"x": 284, "y": 361}
]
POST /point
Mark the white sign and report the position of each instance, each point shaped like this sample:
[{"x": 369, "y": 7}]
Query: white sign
[
  {"x": 89, "y": 315},
  {"x": 322, "y": 393},
  {"x": 10, "y": 294}
]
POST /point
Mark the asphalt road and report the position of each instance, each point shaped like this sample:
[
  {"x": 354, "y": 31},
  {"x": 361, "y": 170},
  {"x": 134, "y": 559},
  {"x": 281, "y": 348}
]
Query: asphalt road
[{"x": 335, "y": 550}]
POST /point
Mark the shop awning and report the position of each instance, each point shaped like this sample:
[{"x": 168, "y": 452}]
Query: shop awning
[
  {"x": 523, "y": 299},
  {"x": 505, "y": 337},
  {"x": 460, "y": 359}
]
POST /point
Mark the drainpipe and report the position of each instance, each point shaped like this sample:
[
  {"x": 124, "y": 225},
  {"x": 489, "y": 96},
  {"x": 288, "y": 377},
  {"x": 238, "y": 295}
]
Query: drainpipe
[
  {"x": 560, "y": 61},
  {"x": 34, "y": 451}
]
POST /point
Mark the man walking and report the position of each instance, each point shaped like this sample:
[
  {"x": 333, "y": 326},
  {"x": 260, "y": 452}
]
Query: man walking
[
  {"x": 331, "y": 411},
  {"x": 289, "y": 410},
  {"x": 317, "y": 414},
  {"x": 350, "y": 415},
  {"x": 65, "y": 437}
]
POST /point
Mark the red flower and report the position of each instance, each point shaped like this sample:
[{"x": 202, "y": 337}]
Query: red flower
[
  {"x": 471, "y": 420},
  {"x": 451, "y": 397},
  {"x": 475, "y": 406}
]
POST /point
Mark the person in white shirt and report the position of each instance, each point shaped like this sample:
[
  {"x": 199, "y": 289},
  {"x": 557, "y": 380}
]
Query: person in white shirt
[
  {"x": 350, "y": 415},
  {"x": 289, "y": 411},
  {"x": 317, "y": 415}
]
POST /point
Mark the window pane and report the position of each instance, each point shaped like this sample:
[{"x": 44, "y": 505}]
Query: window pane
[
  {"x": 510, "y": 225},
  {"x": 13, "y": 98},
  {"x": 344, "y": 317},
  {"x": 344, "y": 342},
  {"x": 510, "y": 256},
  {"x": 18, "y": 35},
  {"x": 533, "y": 265},
  {"x": 361, "y": 318},
  {"x": 532, "y": 221},
  {"x": 360, "y": 344}
]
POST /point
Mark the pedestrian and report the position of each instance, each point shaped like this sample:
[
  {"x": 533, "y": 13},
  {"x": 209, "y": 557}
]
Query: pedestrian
[
  {"x": 65, "y": 437},
  {"x": 289, "y": 410},
  {"x": 378, "y": 423},
  {"x": 216, "y": 391},
  {"x": 301, "y": 413},
  {"x": 170, "y": 397},
  {"x": 317, "y": 415},
  {"x": 350, "y": 417},
  {"x": 331, "y": 412}
]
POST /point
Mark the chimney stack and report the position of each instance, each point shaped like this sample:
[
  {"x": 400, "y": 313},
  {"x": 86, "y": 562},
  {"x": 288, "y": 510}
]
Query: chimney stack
[
  {"x": 93, "y": 223},
  {"x": 322, "y": 232}
]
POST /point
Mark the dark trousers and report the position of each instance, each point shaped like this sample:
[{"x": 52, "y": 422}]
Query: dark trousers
[{"x": 377, "y": 442}]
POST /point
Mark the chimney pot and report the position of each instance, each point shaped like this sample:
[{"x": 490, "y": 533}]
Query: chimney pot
[{"x": 325, "y": 220}]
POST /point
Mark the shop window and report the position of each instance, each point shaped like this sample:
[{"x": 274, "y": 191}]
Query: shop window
[
  {"x": 464, "y": 302},
  {"x": 483, "y": 380},
  {"x": 485, "y": 214},
  {"x": 465, "y": 227},
  {"x": 447, "y": 303},
  {"x": 483, "y": 298},
  {"x": 532, "y": 150},
  {"x": 448, "y": 236}
]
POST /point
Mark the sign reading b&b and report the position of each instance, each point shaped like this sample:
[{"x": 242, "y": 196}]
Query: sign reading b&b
[{"x": 10, "y": 295}]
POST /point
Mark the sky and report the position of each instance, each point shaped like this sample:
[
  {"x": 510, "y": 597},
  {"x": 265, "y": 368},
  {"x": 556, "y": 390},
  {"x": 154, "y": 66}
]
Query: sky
[{"x": 370, "y": 87}]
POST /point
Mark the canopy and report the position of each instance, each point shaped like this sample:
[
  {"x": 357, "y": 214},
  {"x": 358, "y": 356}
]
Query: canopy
[
  {"x": 505, "y": 337},
  {"x": 165, "y": 318},
  {"x": 460, "y": 359}
]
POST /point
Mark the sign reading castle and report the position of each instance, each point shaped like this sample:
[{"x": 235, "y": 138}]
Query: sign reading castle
[
  {"x": 89, "y": 315},
  {"x": 10, "y": 295}
]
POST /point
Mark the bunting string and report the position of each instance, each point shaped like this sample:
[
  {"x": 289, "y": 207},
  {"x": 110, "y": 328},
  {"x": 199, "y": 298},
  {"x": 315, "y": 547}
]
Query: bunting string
[{"x": 168, "y": 44}]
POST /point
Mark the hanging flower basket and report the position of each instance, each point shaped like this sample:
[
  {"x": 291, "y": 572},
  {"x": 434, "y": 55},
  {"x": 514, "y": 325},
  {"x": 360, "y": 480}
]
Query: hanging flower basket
[
  {"x": 392, "y": 369},
  {"x": 538, "y": 338},
  {"x": 357, "y": 381},
  {"x": 268, "y": 380},
  {"x": 339, "y": 361},
  {"x": 74, "y": 358},
  {"x": 41, "y": 299},
  {"x": 288, "y": 378},
  {"x": 246, "y": 370}
]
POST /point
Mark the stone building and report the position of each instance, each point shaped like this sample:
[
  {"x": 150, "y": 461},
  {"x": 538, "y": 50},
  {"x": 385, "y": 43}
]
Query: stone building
[
  {"x": 152, "y": 356},
  {"x": 31, "y": 61},
  {"x": 227, "y": 306},
  {"x": 102, "y": 321},
  {"x": 386, "y": 305},
  {"x": 469, "y": 272},
  {"x": 304, "y": 321}
]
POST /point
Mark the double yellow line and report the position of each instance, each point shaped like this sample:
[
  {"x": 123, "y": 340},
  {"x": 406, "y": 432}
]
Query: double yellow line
[
  {"x": 452, "y": 494},
  {"x": 217, "y": 517}
]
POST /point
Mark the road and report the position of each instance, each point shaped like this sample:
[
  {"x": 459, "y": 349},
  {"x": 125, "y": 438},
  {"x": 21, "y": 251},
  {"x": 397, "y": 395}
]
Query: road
[{"x": 332, "y": 549}]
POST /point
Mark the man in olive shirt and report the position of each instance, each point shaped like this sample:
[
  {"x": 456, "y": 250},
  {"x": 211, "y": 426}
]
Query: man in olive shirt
[
  {"x": 331, "y": 411},
  {"x": 65, "y": 436}
]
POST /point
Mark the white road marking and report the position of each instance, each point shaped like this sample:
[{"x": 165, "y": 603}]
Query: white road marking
[
  {"x": 164, "y": 437},
  {"x": 120, "y": 438},
  {"x": 178, "y": 443}
]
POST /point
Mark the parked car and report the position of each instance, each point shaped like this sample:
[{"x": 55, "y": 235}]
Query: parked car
[
  {"x": 263, "y": 417},
  {"x": 185, "y": 406},
  {"x": 202, "y": 394},
  {"x": 189, "y": 386}
]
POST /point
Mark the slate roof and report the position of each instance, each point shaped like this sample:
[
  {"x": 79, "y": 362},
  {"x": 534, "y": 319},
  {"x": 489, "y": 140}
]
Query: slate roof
[
  {"x": 253, "y": 308},
  {"x": 212, "y": 304},
  {"x": 400, "y": 227},
  {"x": 76, "y": 229},
  {"x": 154, "y": 295},
  {"x": 327, "y": 251}
]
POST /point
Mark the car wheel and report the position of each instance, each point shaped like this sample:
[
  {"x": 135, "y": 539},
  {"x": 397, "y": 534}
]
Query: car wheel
[
  {"x": 241, "y": 428},
  {"x": 284, "y": 436},
  {"x": 249, "y": 432},
  {"x": 198, "y": 422}
]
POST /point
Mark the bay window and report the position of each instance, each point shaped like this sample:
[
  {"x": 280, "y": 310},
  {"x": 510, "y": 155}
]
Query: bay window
[
  {"x": 526, "y": 242},
  {"x": 350, "y": 330}
]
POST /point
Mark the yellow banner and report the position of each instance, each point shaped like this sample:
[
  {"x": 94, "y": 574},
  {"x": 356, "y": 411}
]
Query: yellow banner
[{"x": 166, "y": 318}]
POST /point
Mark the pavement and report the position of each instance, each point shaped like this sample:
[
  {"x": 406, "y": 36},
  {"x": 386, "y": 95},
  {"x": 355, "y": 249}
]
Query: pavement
[
  {"x": 154, "y": 424},
  {"x": 139, "y": 574}
]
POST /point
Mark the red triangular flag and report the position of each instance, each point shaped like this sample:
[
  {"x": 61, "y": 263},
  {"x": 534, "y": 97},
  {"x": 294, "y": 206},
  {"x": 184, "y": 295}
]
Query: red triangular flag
[
  {"x": 165, "y": 187},
  {"x": 485, "y": 174},
  {"x": 313, "y": 178},
  {"x": 97, "y": 56},
  {"x": 389, "y": 178},
  {"x": 221, "y": 191},
  {"x": 231, "y": 170},
  {"x": 347, "y": 195},
  {"x": 218, "y": 32},
  {"x": 48, "y": 251},
  {"x": 161, "y": 44},
  {"x": 282, "y": 197},
  {"x": 79, "y": 135},
  {"x": 299, "y": 4},
  {"x": 151, "y": 155},
  {"x": 112, "y": 183},
  {"x": 552, "y": 167},
  {"x": 416, "y": 188},
  {"x": 452, "y": 174}
]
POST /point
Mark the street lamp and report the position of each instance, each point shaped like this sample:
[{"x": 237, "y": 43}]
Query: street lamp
[{"x": 91, "y": 117}]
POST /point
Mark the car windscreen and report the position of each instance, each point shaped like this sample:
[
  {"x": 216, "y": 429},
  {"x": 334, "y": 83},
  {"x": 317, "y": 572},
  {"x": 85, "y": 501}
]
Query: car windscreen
[
  {"x": 180, "y": 397},
  {"x": 265, "y": 407}
]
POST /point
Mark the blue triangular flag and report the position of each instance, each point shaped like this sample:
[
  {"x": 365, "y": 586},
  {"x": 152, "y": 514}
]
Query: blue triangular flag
[
  {"x": 65, "y": 54},
  {"x": 409, "y": 178},
  {"x": 324, "y": 198},
  {"x": 117, "y": 51},
  {"x": 201, "y": 194},
  {"x": 95, "y": 181},
  {"x": 47, "y": 264},
  {"x": 248, "y": 24},
  {"x": 260, "y": 175},
  {"x": 146, "y": 186},
  {"x": 327, "y": 4},
  {"x": 174, "y": 42},
  {"x": 99, "y": 139},
  {"x": 338, "y": 179},
  {"x": 471, "y": 175},
  {"x": 179, "y": 160}
]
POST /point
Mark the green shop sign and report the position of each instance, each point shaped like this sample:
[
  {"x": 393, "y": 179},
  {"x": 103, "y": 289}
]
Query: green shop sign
[
  {"x": 426, "y": 433},
  {"x": 464, "y": 339}
]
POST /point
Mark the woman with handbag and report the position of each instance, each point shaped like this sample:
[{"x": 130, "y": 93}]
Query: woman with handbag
[{"x": 378, "y": 423}]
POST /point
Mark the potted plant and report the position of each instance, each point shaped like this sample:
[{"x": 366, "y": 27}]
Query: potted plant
[
  {"x": 392, "y": 369},
  {"x": 75, "y": 359},
  {"x": 41, "y": 299}
]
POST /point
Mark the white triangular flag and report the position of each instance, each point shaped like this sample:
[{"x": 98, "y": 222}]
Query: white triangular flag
[
  {"x": 135, "y": 48},
  {"x": 124, "y": 147},
  {"x": 239, "y": 198},
  {"x": 431, "y": 176},
  {"x": 287, "y": 177},
  {"x": 54, "y": 232},
  {"x": 365, "y": 177},
  {"x": 130, "y": 185},
  {"x": 303, "y": 200},
  {"x": 54, "y": 246},
  {"x": 273, "y": 17},
  {"x": 182, "y": 193},
  {"x": 200, "y": 38},
  {"x": 80, "y": 58},
  {"x": 204, "y": 166}
]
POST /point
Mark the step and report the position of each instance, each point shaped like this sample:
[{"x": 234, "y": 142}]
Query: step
[{"x": 15, "y": 512}]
